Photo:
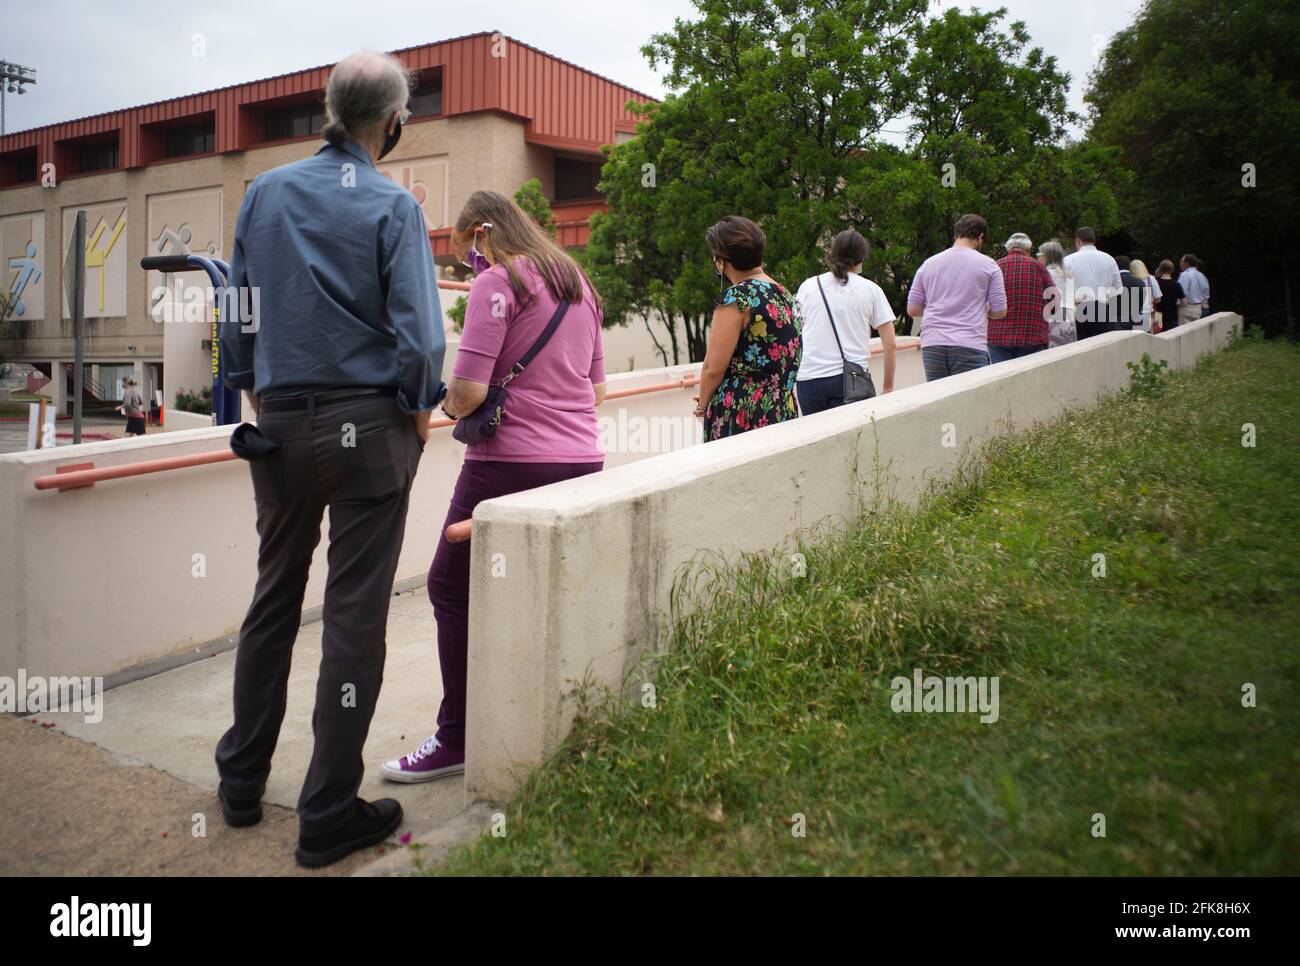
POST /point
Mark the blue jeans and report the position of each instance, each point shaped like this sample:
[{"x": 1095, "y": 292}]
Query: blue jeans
[
  {"x": 818, "y": 395},
  {"x": 1004, "y": 353},
  {"x": 949, "y": 360}
]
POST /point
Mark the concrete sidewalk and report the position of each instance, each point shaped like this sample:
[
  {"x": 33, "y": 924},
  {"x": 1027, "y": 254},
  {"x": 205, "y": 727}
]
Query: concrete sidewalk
[{"x": 120, "y": 796}]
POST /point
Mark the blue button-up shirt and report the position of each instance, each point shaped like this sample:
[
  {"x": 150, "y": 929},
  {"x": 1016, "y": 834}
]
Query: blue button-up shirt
[
  {"x": 1195, "y": 286},
  {"x": 332, "y": 284}
]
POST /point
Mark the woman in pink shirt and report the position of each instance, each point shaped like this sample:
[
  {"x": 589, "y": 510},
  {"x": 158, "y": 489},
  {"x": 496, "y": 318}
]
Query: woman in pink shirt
[{"x": 549, "y": 432}]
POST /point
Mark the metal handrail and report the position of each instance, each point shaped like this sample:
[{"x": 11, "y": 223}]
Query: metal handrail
[{"x": 89, "y": 477}]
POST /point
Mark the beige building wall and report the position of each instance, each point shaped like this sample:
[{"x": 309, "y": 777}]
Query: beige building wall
[{"x": 449, "y": 157}]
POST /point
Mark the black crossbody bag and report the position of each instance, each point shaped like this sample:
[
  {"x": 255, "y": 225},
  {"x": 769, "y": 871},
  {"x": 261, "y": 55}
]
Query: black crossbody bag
[
  {"x": 481, "y": 425},
  {"x": 857, "y": 380}
]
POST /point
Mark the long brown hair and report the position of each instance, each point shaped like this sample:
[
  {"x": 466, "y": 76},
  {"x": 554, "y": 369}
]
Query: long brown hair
[{"x": 514, "y": 235}]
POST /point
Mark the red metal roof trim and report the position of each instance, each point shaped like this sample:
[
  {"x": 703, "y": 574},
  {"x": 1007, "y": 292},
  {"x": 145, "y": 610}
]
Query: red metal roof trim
[{"x": 566, "y": 105}]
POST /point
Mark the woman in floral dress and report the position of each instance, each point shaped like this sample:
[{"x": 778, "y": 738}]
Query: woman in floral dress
[{"x": 747, "y": 379}]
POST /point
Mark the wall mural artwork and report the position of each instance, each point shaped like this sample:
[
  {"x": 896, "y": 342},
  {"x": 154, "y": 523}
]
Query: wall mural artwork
[
  {"x": 22, "y": 261},
  {"x": 183, "y": 223},
  {"x": 104, "y": 292},
  {"x": 426, "y": 179}
]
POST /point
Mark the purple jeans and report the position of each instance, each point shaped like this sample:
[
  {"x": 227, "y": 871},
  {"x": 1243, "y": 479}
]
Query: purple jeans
[{"x": 449, "y": 575}]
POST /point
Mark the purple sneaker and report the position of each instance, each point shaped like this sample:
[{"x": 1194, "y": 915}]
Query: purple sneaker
[{"x": 431, "y": 760}]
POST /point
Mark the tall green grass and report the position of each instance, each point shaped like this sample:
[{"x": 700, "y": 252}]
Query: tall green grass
[{"x": 1120, "y": 695}]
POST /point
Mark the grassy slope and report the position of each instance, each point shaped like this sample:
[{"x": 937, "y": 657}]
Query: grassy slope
[{"x": 1119, "y": 695}]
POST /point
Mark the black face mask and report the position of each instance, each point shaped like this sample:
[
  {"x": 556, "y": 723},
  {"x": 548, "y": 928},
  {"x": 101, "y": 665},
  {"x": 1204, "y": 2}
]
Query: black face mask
[{"x": 390, "y": 140}]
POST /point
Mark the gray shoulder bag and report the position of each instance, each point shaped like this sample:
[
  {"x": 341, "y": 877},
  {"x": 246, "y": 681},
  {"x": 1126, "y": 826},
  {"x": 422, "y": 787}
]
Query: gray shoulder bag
[{"x": 857, "y": 380}]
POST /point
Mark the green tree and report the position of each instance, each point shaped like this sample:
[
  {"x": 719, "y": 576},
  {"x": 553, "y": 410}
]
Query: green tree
[
  {"x": 536, "y": 205},
  {"x": 792, "y": 113},
  {"x": 532, "y": 199},
  {"x": 1201, "y": 99}
]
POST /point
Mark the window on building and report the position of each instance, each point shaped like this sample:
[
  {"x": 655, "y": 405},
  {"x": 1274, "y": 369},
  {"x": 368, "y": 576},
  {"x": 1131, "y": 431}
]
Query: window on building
[
  {"x": 426, "y": 100},
  {"x": 576, "y": 179},
  {"x": 198, "y": 138},
  {"x": 98, "y": 157},
  {"x": 25, "y": 168},
  {"x": 297, "y": 121}
]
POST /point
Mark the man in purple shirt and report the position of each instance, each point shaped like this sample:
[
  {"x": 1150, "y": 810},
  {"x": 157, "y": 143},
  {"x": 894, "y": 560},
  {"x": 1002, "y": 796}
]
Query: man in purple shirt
[{"x": 953, "y": 296}]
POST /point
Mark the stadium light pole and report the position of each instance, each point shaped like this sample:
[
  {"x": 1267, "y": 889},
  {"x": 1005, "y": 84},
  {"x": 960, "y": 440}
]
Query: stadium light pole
[{"x": 13, "y": 77}]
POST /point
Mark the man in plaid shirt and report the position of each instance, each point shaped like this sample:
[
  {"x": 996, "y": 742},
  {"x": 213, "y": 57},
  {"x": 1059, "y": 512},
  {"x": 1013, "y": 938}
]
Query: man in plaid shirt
[{"x": 1030, "y": 289}]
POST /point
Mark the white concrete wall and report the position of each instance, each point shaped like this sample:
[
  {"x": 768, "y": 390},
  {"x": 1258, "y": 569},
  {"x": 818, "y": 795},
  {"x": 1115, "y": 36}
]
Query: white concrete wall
[
  {"x": 68, "y": 607},
  {"x": 590, "y": 564},
  {"x": 176, "y": 419}
]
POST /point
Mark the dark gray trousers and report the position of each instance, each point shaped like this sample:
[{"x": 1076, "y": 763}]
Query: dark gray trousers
[{"x": 358, "y": 457}]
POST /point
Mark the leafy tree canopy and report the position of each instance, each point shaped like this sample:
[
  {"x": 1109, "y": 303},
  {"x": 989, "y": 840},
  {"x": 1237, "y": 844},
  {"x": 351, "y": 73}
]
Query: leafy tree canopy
[
  {"x": 1201, "y": 99},
  {"x": 815, "y": 117}
]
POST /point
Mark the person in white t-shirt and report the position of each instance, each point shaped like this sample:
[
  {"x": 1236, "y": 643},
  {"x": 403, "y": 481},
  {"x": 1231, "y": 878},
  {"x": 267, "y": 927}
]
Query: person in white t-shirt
[{"x": 857, "y": 305}]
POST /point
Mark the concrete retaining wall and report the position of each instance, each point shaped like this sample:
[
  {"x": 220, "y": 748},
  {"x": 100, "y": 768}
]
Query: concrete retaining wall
[
  {"x": 573, "y": 581},
  {"x": 67, "y": 607}
]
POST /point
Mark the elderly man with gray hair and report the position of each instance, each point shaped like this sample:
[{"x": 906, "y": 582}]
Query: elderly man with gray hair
[
  {"x": 1030, "y": 292},
  {"x": 342, "y": 362}
]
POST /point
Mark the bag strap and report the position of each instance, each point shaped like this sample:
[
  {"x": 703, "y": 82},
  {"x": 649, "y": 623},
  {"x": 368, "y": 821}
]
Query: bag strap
[
  {"x": 537, "y": 346},
  {"x": 830, "y": 316}
]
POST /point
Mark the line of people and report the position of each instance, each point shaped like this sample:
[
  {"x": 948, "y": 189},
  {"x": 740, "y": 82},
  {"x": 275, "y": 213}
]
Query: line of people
[
  {"x": 974, "y": 311},
  {"x": 772, "y": 356},
  {"x": 343, "y": 366}
]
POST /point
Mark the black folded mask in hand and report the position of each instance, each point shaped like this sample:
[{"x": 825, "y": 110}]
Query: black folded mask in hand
[{"x": 248, "y": 443}]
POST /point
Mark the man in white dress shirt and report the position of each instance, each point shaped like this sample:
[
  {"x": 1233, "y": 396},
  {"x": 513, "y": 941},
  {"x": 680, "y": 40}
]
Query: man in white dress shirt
[{"x": 1096, "y": 285}]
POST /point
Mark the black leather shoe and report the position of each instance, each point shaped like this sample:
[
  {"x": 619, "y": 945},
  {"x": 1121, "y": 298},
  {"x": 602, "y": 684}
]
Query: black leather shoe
[
  {"x": 239, "y": 813},
  {"x": 371, "y": 823}
]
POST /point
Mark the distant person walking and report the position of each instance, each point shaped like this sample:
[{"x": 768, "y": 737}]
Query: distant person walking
[
  {"x": 132, "y": 407},
  {"x": 1196, "y": 287},
  {"x": 954, "y": 295},
  {"x": 1096, "y": 285},
  {"x": 343, "y": 364},
  {"x": 1061, "y": 315},
  {"x": 1172, "y": 296},
  {"x": 748, "y": 375},
  {"x": 840, "y": 308},
  {"x": 1134, "y": 299},
  {"x": 1025, "y": 328}
]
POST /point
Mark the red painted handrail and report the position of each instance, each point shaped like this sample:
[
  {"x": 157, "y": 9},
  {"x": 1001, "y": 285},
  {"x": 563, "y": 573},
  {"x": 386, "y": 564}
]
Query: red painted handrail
[
  {"x": 80, "y": 478},
  {"x": 66, "y": 481},
  {"x": 459, "y": 532}
]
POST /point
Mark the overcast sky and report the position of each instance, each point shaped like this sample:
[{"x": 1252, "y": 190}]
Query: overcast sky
[{"x": 93, "y": 57}]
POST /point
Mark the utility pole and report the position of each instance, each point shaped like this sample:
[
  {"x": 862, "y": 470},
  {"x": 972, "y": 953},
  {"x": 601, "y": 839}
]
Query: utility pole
[
  {"x": 74, "y": 284},
  {"x": 13, "y": 77}
]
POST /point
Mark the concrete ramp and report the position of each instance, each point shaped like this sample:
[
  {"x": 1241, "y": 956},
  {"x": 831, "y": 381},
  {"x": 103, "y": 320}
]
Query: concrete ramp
[{"x": 136, "y": 804}]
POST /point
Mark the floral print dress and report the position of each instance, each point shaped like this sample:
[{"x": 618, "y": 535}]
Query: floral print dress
[{"x": 758, "y": 387}]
